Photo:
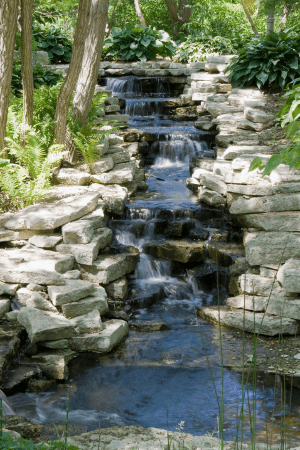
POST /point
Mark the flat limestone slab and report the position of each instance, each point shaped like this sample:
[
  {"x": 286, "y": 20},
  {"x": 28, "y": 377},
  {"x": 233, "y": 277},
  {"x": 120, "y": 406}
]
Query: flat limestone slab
[
  {"x": 249, "y": 302},
  {"x": 257, "y": 285},
  {"x": 109, "y": 268},
  {"x": 61, "y": 263},
  {"x": 87, "y": 253},
  {"x": 234, "y": 151},
  {"x": 4, "y": 306},
  {"x": 88, "y": 324},
  {"x": 280, "y": 202},
  {"x": 48, "y": 216},
  {"x": 272, "y": 248},
  {"x": 78, "y": 232},
  {"x": 40, "y": 272},
  {"x": 251, "y": 322},
  {"x": 8, "y": 289},
  {"x": 273, "y": 221},
  {"x": 44, "y": 241},
  {"x": 72, "y": 291},
  {"x": 45, "y": 326},
  {"x": 98, "y": 218},
  {"x": 97, "y": 300},
  {"x": 113, "y": 332}
]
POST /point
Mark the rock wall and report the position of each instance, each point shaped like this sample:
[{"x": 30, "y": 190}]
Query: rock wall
[{"x": 265, "y": 284}]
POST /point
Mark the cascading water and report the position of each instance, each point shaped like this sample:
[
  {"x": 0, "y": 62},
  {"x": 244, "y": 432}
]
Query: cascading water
[{"x": 152, "y": 372}]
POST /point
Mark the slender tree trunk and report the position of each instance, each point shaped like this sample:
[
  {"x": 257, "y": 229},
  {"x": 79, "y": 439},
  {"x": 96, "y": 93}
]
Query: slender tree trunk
[
  {"x": 271, "y": 19},
  {"x": 180, "y": 14},
  {"x": 67, "y": 89},
  {"x": 8, "y": 29},
  {"x": 139, "y": 13},
  {"x": 250, "y": 19},
  {"x": 26, "y": 61},
  {"x": 287, "y": 9},
  {"x": 87, "y": 79},
  {"x": 110, "y": 21}
]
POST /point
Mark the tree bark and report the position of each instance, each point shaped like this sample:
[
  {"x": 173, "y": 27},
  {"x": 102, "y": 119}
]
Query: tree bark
[
  {"x": 26, "y": 61},
  {"x": 87, "y": 79},
  {"x": 8, "y": 29},
  {"x": 139, "y": 13},
  {"x": 67, "y": 89},
  {"x": 111, "y": 19},
  {"x": 180, "y": 14},
  {"x": 250, "y": 19},
  {"x": 287, "y": 9}
]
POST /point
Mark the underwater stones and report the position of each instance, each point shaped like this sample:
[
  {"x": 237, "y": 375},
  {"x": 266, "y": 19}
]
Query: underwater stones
[
  {"x": 180, "y": 251},
  {"x": 72, "y": 291},
  {"x": 108, "y": 268},
  {"x": 97, "y": 300},
  {"x": 114, "y": 331},
  {"x": 45, "y": 325},
  {"x": 48, "y": 216},
  {"x": 252, "y": 322},
  {"x": 148, "y": 326}
]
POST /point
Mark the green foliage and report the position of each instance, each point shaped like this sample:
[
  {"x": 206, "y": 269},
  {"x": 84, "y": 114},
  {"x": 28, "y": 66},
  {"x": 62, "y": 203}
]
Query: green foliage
[
  {"x": 270, "y": 61},
  {"x": 51, "y": 40},
  {"x": 136, "y": 42},
  {"x": 41, "y": 76},
  {"x": 289, "y": 116},
  {"x": 196, "y": 48},
  {"x": 220, "y": 18},
  {"x": 6, "y": 443}
]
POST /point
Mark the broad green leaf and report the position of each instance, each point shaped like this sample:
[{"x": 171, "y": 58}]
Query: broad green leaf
[
  {"x": 292, "y": 128},
  {"x": 255, "y": 164},
  {"x": 272, "y": 163}
]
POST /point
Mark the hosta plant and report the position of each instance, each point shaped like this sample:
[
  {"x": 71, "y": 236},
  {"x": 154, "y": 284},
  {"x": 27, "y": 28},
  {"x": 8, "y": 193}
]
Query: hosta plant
[
  {"x": 267, "y": 61},
  {"x": 195, "y": 48},
  {"x": 137, "y": 43},
  {"x": 54, "y": 42}
]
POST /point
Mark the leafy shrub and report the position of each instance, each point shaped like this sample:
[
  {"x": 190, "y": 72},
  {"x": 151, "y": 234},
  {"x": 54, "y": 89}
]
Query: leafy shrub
[
  {"x": 136, "y": 42},
  {"x": 288, "y": 115},
  {"x": 51, "y": 40},
  {"x": 270, "y": 61},
  {"x": 41, "y": 76},
  {"x": 196, "y": 48}
]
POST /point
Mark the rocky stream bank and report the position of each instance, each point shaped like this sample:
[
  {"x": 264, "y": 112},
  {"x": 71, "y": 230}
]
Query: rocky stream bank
[{"x": 65, "y": 263}]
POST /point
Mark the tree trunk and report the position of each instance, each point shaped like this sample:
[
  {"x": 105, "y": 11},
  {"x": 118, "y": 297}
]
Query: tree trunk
[
  {"x": 139, "y": 13},
  {"x": 180, "y": 14},
  {"x": 250, "y": 19},
  {"x": 287, "y": 9},
  {"x": 26, "y": 61},
  {"x": 87, "y": 79},
  {"x": 67, "y": 89},
  {"x": 111, "y": 19},
  {"x": 8, "y": 29},
  {"x": 271, "y": 19}
]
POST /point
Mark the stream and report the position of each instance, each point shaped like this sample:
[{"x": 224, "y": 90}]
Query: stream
[{"x": 157, "y": 376}]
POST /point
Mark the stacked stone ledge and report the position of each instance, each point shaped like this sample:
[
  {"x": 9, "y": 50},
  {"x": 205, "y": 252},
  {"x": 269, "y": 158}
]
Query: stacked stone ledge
[{"x": 265, "y": 284}]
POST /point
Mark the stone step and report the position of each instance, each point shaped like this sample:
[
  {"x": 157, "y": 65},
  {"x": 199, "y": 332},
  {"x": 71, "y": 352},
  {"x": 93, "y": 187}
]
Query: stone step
[
  {"x": 87, "y": 253},
  {"x": 108, "y": 268},
  {"x": 97, "y": 300},
  {"x": 272, "y": 221},
  {"x": 72, "y": 291},
  {"x": 289, "y": 275},
  {"x": 114, "y": 197},
  {"x": 235, "y": 151},
  {"x": 52, "y": 215},
  {"x": 280, "y": 202},
  {"x": 113, "y": 332},
  {"x": 72, "y": 177},
  {"x": 251, "y": 322},
  {"x": 272, "y": 247},
  {"x": 45, "y": 326}
]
